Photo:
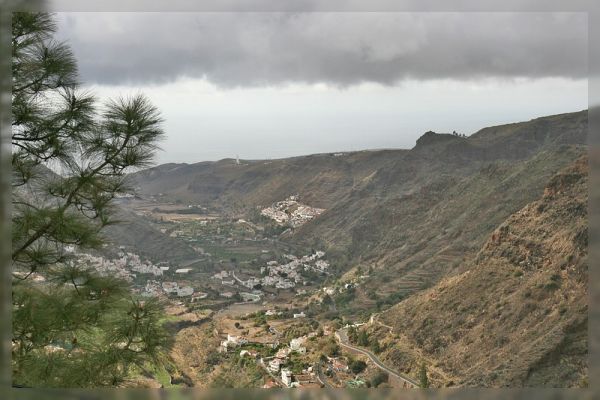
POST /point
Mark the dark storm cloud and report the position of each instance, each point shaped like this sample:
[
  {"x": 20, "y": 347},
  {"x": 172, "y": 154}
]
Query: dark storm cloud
[{"x": 250, "y": 49}]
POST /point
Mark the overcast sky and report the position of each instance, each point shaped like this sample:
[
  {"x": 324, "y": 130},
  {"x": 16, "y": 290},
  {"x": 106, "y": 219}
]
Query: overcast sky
[{"x": 270, "y": 85}]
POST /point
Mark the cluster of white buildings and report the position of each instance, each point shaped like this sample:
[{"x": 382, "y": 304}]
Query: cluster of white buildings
[
  {"x": 124, "y": 267},
  {"x": 155, "y": 288},
  {"x": 174, "y": 288},
  {"x": 152, "y": 289},
  {"x": 116, "y": 268},
  {"x": 250, "y": 283},
  {"x": 303, "y": 214},
  {"x": 280, "y": 276},
  {"x": 287, "y": 275},
  {"x": 296, "y": 345},
  {"x": 331, "y": 290},
  {"x": 128, "y": 265},
  {"x": 254, "y": 296},
  {"x": 281, "y": 358},
  {"x": 291, "y": 211},
  {"x": 226, "y": 278},
  {"x": 135, "y": 264},
  {"x": 278, "y": 216},
  {"x": 231, "y": 342},
  {"x": 221, "y": 275},
  {"x": 276, "y": 364}
]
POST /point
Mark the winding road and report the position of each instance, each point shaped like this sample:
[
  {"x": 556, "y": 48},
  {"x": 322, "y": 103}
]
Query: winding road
[
  {"x": 321, "y": 376},
  {"x": 342, "y": 337}
]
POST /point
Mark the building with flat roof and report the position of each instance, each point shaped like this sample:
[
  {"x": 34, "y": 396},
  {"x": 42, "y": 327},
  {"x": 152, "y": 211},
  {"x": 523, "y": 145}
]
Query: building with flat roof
[{"x": 286, "y": 377}]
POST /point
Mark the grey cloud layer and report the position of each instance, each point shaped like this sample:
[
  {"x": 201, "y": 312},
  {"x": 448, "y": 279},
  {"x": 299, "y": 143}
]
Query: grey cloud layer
[{"x": 250, "y": 49}]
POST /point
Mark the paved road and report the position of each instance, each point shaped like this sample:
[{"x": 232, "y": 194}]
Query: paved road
[
  {"x": 321, "y": 376},
  {"x": 342, "y": 337}
]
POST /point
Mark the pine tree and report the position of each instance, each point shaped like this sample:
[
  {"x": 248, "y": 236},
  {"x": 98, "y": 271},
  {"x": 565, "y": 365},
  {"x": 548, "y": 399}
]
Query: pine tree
[
  {"x": 423, "y": 380},
  {"x": 71, "y": 327}
]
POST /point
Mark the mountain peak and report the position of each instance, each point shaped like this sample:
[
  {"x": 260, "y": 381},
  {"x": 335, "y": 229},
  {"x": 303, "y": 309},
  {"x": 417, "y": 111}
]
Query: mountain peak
[{"x": 430, "y": 138}]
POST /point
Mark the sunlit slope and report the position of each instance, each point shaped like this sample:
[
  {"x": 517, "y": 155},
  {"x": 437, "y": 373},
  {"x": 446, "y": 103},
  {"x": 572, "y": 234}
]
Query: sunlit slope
[{"x": 517, "y": 315}]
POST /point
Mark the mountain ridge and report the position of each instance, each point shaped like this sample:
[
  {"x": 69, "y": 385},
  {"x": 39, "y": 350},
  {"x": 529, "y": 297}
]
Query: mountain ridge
[
  {"x": 418, "y": 237},
  {"x": 412, "y": 216}
]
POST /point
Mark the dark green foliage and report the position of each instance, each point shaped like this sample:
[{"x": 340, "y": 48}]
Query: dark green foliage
[
  {"x": 54, "y": 125},
  {"x": 71, "y": 327},
  {"x": 357, "y": 366},
  {"x": 296, "y": 365},
  {"x": 345, "y": 298},
  {"x": 362, "y": 338},
  {"x": 375, "y": 346},
  {"x": 260, "y": 319},
  {"x": 329, "y": 347},
  {"x": 213, "y": 358},
  {"x": 65, "y": 338},
  {"x": 423, "y": 380},
  {"x": 352, "y": 334},
  {"x": 379, "y": 378}
]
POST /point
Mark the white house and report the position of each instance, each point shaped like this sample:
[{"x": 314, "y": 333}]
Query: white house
[
  {"x": 274, "y": 365},
  {"x": 283, "y": 353},
  {"x": 249, "y": 296},
  {"x": 286, "y": 377},
  {"x": 170, "y": 287},
  {"x": 232, "y": 341},
  {"x": 296, "y": 345}
]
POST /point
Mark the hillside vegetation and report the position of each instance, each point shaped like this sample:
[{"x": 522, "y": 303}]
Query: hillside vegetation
[
  {"x": 517, "y": 315},
  {"x": 423, "y": 215},
  {"x": 320, "y": 179},
  {"x": 138, "y": 235},
  {"x": 471, "y": 251},
  {"x": 409, "y": 216}
]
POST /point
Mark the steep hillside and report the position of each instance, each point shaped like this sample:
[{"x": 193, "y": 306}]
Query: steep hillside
[
  {"x": 421, "y": 217},
  {"x": 409, "y": 216},
  {"x": 138, "y": 235},
  {"x": 410, "y": 241},
  {"x": 517, "y": 315},
  {"x": 320, "y": 179}
]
